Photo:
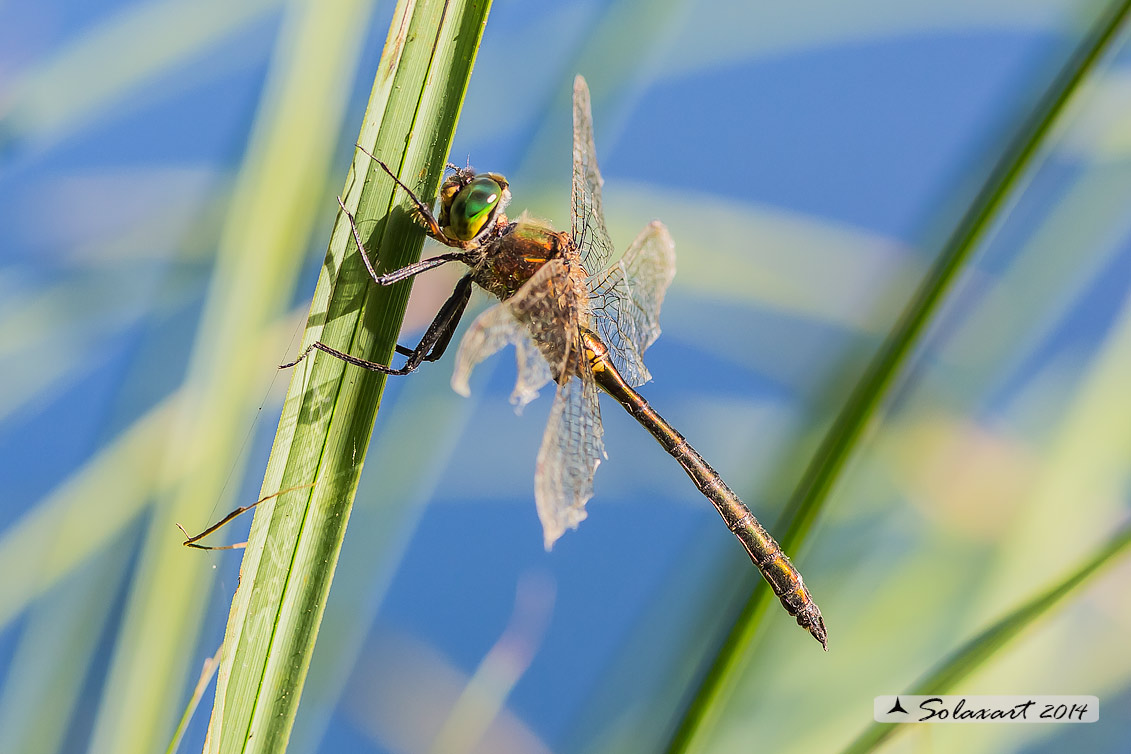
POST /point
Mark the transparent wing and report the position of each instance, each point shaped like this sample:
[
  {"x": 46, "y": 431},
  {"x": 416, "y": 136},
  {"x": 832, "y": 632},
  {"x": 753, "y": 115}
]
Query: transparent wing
[
  {"x": 589, "y": 232},
  {"x": 549, "y": 306},
  {"x": 572, "y": 448},
  {"x": 540, "y": 321},
  {"x": 491, "y": 331},
  {"x": 625, "y": 300}
]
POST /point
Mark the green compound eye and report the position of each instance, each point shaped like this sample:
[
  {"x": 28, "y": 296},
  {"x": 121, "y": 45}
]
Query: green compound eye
[{"x": 473, "y": 206}]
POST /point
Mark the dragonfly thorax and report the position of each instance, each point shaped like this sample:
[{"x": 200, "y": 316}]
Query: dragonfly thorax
[{"x": 519, "y": 251}]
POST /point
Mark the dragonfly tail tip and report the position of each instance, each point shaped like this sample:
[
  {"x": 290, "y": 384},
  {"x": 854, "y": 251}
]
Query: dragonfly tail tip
[{"x": 817, "y": 628}]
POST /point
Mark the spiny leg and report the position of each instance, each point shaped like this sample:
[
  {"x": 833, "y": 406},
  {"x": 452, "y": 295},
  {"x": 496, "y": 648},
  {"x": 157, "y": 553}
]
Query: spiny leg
[
  {"x": 424, "y": 212},
  {"x": 431, "y": 347},
  {"x": 441, "y": 344},
  {"x": 439, "y": 333},
  {"x": 192, "y": 541},
  {"x": 396, "y": 276},
  {"x": 406, "y": 272}
]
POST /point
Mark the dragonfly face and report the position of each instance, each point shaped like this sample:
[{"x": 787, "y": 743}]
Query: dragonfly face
[
  {"x": 472, "y": 204},
  {"x": 505, "y": 254}
]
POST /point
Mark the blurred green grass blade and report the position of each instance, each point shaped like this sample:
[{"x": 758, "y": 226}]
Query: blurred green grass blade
[
  {"x": 84, "y": 514},
  {"x": 87, "y": 78},
  {"x": 842, "y": 438},
  {"x": 202, "y": 683},
  {"x": 985, "y": 645},
  {"x": 768, "y": 276},
  {"x": 58, "y": 643},
  {"x": 840, "y": 441},
  {"x": 330, "y": 408},
  {"x": 49, "y": 347},
  {"x": 614, "y": 70},
  {"x": 276, "y": 200},
  {"x": 90, "y": 508},
  {"x": 481, "y": 704}
]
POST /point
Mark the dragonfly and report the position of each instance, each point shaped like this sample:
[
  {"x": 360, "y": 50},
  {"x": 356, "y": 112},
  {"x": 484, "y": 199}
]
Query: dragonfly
[{"x": 576, "y": 318}]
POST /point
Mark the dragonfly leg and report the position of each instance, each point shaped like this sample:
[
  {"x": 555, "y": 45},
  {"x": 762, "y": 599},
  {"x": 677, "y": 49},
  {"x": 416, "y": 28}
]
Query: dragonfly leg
[
  {"x": 406, "y": 272},
  {"x": 430, "y": 348},
  {"x": 194, "y": 541},
  {"x": 423, "y": 211},
  {"x": 439, "y": 334}
]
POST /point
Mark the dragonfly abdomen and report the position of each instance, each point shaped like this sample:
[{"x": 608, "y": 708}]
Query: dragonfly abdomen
[{"x": 764, "y": 551}]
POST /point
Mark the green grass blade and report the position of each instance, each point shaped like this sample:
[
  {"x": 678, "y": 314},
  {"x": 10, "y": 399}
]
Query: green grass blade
[
  {"x": 985, "y": 645},
  {"x": 202, "y": 683},
  {"x": 842, "y": 438},
  {"x": 419, "y": 435},
  {"x": 330, "y": 408},
  {"x": 260, "y": 251}
]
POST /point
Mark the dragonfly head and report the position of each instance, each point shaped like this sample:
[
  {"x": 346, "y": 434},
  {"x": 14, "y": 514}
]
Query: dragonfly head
[{"x": 471, "y": 202}]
